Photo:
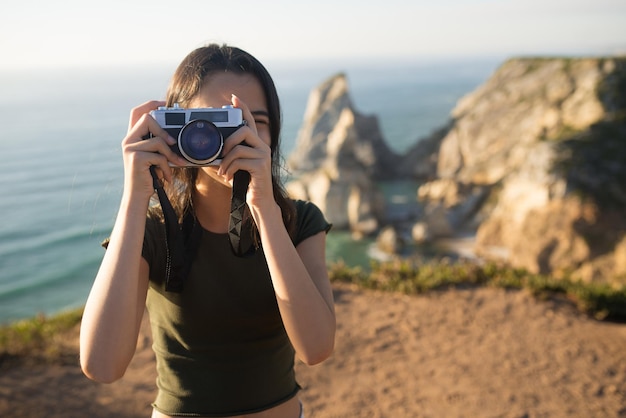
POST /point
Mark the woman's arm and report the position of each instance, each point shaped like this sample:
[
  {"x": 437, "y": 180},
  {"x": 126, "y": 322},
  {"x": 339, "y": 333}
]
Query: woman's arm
[
  {"x": 115, "y": 306},
  {"x": 299, "y": 275},
  {"x": 303, "y": 291},
  {"x": 116, "y": 303}
]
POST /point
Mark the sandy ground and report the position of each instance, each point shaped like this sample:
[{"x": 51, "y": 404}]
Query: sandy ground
[{"x": 460, "y": 353}]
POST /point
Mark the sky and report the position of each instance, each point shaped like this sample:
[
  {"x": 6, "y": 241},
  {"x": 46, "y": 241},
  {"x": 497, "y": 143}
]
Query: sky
[{"x": 120, "y": 33}]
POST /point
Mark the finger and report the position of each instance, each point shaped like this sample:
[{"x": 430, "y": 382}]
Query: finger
[
  {"x": 145, "y": 127},
  {"x": 160, "y": 174},
  {"x": 257, "y": 168},
  {"x": 228, "y": 172},
  {"x": 137, "y": 112},
  {"x": 244, "y": 146},
  {"x": 247, "y": 115},
  {"x": 162, "y": 170},
  {"x": 242, "y": 151},
  {"x": 245, "y": 158},
  {"x": 243, "y": 136},
  {"x": 141, "y": 162},
  {"x": 156, "y": 145}
]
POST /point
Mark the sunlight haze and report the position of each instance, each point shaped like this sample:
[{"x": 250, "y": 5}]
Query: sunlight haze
[{"x": 36, "y": 34}]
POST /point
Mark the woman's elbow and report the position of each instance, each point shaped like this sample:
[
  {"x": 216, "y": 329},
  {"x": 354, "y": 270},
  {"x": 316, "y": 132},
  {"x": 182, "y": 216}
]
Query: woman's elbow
[
  {"x": 320, "y": 352},
  {"x": 102, "y": 362},
  {"x": 99, "y": 372},
  {"x": 317, "y": 357}
]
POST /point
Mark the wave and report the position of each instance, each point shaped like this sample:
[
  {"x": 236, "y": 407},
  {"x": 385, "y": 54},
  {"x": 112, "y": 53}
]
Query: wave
[
  {"x": 48, "y": 292},
  {"x": 20, "y": 242},
  {"x": 49, "y": 278}
]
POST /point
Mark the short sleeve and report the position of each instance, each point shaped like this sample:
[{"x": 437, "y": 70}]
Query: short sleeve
[
  {"x": 154, "y": 245},
  {"x": 310, "y": 221},
  {"x": 154, "y": 242}
]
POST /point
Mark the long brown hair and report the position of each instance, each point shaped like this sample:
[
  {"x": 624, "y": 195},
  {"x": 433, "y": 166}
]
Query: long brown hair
[{"x": 185, "y": 85}]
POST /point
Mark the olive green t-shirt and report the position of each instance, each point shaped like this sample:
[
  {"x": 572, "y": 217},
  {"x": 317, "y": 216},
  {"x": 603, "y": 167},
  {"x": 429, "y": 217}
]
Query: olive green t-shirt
[{"x": 220, "y": 344}]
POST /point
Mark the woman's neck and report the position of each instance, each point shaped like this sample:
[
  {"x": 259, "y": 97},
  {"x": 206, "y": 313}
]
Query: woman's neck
[{"x": 211, "y": 202}]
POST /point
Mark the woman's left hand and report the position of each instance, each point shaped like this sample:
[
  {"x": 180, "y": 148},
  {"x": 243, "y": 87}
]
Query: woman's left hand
[{"x": 248, "y": 149}]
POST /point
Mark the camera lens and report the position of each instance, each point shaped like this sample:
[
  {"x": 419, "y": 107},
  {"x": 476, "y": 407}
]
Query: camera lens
[{"x": 200, "y": 141}]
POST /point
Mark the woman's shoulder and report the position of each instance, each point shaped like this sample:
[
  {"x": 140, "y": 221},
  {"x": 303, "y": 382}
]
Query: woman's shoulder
[
  {"x": 154, "y": 234},
  {"x": 310, "y": 220},
  {"x": 307, "y": 209}
]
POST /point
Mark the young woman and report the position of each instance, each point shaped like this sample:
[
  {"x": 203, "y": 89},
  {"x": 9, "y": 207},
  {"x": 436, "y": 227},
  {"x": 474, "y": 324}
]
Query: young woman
[{"x": 225, "y": 344}]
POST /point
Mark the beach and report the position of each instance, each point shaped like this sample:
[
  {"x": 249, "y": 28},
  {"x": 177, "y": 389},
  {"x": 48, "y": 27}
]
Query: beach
[{"x": 469, "y": 352}]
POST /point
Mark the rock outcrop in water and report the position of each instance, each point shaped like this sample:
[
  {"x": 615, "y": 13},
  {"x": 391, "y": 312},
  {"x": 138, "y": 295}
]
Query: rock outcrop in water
[
  {"x": 335, "y": 136},
  {"x": 340, "y": 154}
]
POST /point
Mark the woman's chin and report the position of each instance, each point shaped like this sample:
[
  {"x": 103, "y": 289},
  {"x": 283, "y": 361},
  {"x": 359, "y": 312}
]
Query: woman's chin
[{"x": 211, "y": 173}]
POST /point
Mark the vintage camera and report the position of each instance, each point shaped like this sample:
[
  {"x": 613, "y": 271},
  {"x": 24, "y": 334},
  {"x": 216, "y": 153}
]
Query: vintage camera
[{"x": 200, "y": 133}]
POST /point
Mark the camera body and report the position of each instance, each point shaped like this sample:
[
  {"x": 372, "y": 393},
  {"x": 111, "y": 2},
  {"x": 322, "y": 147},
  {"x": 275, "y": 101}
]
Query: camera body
[{"x": 199, "y": 132}]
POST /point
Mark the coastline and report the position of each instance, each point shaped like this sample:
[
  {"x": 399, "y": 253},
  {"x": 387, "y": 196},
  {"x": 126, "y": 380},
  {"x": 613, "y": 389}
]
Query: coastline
[{"x": 63, "y": 210}]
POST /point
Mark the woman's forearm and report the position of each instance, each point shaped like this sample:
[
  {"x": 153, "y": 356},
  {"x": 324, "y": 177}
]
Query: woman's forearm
[
  {"x": 115, "y": 305},
  {"x": 301, "y": 285}
]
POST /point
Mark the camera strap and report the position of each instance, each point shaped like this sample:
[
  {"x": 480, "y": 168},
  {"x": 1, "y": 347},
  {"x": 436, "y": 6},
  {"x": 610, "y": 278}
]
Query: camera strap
[
  {"x": 182, "y": 241},
  {"x": 241, "y": 244}
]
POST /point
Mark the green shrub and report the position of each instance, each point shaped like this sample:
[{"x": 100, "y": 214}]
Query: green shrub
[
  {"x": 418, "y": 276},
  {"x": 39, "y": 339}
]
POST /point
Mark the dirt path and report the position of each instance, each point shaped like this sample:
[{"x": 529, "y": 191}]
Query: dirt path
[{"x": 459, "y": 353}]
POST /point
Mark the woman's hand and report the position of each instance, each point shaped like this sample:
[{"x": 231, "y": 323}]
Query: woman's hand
[
  {"x": 140, "y": 154},
  {"x": 248, "y": 149}
]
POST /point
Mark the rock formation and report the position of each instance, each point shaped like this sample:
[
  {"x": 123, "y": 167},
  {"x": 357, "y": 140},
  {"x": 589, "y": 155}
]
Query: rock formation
[
  {"x": 335, "y": 136},
  {"x": 533, "y": 162},
  {"x": 420, "y": 160},
  {"x": 339, "y": 156},
  {"x": 536, "y": 160}
]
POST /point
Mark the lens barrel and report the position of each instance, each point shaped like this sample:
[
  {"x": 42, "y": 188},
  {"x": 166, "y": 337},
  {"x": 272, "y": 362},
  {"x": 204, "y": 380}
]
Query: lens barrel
[{"x": 200, "y": 142}]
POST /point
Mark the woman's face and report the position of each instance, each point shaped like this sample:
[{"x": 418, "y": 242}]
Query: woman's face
[{"x": 217, "y": 91}]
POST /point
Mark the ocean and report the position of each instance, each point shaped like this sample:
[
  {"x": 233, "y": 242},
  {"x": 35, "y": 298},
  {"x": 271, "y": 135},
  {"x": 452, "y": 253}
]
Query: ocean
[{"x": 61, "y": 170}]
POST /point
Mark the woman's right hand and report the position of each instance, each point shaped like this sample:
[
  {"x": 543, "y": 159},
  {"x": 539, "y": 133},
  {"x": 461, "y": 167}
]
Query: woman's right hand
[{"x": 140, "y": 154}]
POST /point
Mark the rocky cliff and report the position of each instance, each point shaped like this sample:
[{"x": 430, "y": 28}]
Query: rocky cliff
[{"x": 535, "y": 160}]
